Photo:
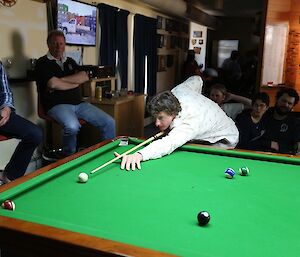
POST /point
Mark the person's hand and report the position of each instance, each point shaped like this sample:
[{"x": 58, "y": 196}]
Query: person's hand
[
  {"x": 228, "y": 97},
  {"x": 131, "y": 161},
  {"x": 5, "y": 114},
  {"x": 275, "y": 145},
  {"x": 84, "y": 75}
]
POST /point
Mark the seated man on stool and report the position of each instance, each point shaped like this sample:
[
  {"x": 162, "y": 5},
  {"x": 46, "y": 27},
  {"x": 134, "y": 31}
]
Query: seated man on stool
[
  {"x": 58, "y": 80},
  {"x": 13, "y": 125}
]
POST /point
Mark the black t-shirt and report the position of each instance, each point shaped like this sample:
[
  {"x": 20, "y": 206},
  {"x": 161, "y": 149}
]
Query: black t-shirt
[
  {"x": 251, "y": 134},
  {"x": 45, "y": 70},
  {"x": 285, "y": 132}
]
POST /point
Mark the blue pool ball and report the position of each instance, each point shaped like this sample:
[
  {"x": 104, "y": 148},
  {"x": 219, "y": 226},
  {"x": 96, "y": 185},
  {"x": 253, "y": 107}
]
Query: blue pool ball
[
  {"x": 229, "y": 173},
  {"x": 203, "y": 218}
]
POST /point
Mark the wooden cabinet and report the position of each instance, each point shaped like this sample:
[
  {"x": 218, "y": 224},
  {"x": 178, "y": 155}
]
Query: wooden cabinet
[
  {"x": 89, "y": 87},
  {"x": 128, "y": 112}
]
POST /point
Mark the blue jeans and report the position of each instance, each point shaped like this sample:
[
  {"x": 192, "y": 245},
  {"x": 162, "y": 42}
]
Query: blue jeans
[
  {"x": 68, "y": 116},
  {"x": 30, "y": 135}
]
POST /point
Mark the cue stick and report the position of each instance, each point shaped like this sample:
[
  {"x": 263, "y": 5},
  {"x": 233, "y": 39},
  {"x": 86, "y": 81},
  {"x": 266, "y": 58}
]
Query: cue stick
[{"x": 127, "y": 152}]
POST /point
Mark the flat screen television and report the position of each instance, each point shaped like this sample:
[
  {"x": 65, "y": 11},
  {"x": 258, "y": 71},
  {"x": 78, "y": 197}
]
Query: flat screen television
[{"x": 78, "y": 22}]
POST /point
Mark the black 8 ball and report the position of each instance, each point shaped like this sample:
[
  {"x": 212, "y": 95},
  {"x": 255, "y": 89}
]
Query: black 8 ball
[{"x": 203, "y": 218}]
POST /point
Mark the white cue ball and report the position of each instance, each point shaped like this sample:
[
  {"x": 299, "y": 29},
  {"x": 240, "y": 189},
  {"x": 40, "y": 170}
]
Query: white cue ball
[{"x": 83, "y": 177}]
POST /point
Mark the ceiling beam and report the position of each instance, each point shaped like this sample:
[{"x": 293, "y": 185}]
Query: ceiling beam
[{"x": 199, "y": 16}]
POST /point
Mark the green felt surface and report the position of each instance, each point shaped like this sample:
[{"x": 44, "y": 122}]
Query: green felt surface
[{"x": 157, "y": 207}]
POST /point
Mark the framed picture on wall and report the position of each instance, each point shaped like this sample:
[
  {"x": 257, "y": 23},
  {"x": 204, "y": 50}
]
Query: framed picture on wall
[
  {"x": 162, "y": 63},
  {"x": 197, "y": 33},
  {"x": 160, "y": 41},
  {"x": 159, "y": 22},
  {"x": 169, "y": 25},
  {"x": 200, "y": 41}
]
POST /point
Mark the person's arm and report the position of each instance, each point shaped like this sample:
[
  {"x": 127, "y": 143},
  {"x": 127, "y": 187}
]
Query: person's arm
[
  {"x": 47, "y": 71},
  {"x": 59, "y": 84},
  {"x": 240, "y": 99},
  {"x": 79, "y": 78},
  {"x": 68, "y": 82},
  {"x": 244, "y": 131},
  {"x": 6, "y": 96},
  {"x": 176, "y": 137},
  {"x": 297, "y": 137},
  {"x": 5, "y": 115},
  {"x": 275, "y": 146}
]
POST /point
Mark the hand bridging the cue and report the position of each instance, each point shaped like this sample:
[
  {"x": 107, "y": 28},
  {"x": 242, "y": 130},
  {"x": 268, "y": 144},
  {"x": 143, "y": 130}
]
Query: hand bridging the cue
[{"x": 131, "y": 161}]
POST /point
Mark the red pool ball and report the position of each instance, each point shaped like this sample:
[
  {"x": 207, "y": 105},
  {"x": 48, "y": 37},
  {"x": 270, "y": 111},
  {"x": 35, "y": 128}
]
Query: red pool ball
[{"x": 9, "y": 205}]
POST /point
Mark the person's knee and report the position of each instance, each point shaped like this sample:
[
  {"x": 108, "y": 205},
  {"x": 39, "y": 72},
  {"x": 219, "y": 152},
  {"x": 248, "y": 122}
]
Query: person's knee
[
  {"x": 35, "y": 135},
  {"x": 111, "y": 124},
  {"x": 71, "y": 128},
  {"x": 110, "y": 127},
  {"x": 38, "y": 136}
]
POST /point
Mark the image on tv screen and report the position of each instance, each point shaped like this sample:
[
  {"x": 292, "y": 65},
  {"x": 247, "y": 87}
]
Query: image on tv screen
[{"x": 78, "y": 22}]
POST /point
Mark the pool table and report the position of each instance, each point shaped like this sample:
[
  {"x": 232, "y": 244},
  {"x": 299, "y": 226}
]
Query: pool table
[{"x": 153, "y": 211}]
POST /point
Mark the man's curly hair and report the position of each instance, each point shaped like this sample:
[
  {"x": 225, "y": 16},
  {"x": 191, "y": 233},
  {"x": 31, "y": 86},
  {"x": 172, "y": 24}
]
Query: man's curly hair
[
  {"x": 164, "y": 102},
  {"x": 290, "y": 92}
]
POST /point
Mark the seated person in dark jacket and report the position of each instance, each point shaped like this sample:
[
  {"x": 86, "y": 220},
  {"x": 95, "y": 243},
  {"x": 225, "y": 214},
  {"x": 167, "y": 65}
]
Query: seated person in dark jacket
[
  {"x": 251, "y": 124},
  {"x": 282, "y": 128},
  {"x": 58, "y": 80},
  {"x": 15, "y": 126}
]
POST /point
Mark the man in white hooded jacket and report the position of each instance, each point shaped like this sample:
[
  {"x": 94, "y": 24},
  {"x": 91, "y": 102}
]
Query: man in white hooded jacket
[{"x": 190, "y": 116}]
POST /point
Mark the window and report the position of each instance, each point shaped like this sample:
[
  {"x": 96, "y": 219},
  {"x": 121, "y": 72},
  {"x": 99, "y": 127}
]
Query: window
[{"x": 274, "y": 53}]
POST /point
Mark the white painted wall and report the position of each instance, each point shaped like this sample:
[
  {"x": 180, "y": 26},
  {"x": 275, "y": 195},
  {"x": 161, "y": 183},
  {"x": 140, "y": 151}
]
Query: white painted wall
[
  {"x": 275, "y": 47},
  {"x": 198, "y": 41},
  {"x": 23, "y": 31}
]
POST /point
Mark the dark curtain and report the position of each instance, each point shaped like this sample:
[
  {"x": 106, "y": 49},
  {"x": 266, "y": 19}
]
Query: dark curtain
[
  {"x": 122, "y": 45},
  {"x": 51, "y": 14},
  {"x": 145, "y": 44},
  {"x": 107, "y": 18},
  {"x": 114, "y": 36}
]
